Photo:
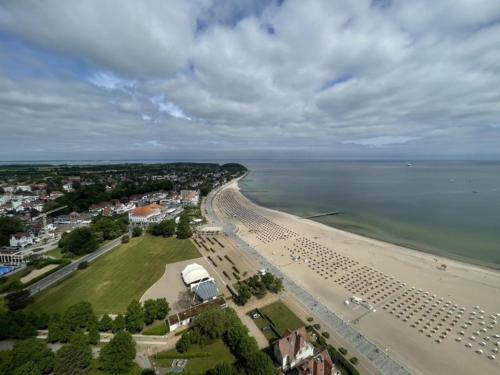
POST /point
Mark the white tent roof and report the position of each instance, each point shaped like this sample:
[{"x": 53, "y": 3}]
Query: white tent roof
[{"x": 194, "y": 272}]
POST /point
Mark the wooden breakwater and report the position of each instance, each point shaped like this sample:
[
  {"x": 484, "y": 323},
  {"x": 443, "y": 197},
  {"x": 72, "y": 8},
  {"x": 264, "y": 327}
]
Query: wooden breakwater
[{"x": 322, "y": 214}]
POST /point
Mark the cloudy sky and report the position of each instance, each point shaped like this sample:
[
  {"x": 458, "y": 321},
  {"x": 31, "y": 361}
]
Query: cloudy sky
[{"x": 246, "y": 79}]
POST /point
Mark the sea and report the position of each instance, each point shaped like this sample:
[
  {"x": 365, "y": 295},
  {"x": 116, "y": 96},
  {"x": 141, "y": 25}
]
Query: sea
[{"x": 448, "y": 208}]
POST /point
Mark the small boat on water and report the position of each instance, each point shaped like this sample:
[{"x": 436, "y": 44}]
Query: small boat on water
[{"x": 409, "y": 164}]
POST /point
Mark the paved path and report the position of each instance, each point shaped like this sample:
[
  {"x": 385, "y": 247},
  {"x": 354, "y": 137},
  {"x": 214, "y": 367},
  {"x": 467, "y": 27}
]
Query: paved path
[{"x": 375, "y": 354}]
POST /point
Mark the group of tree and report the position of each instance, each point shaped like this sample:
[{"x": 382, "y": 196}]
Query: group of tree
[
  {"x": 107, "y": 228},
  {"x": 137, "y": 232},
  {"x": 30, "y": 356},
  {"x": 21, "y": 325},
  {"x": 165, "y": 228},
  {"x": 258, "y": 285},
  {"x": 136, "y": 317},
  {"x": 78, "y": 318},
  {"x": 184, "y": 227},
  {"x": 224, "y": 324},
  {"x": 9, "y": 226},
  {"x": 85, "y": 240}
]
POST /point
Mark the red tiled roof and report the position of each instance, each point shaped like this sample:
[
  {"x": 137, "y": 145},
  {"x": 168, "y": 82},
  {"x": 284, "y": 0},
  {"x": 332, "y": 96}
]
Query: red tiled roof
[
  {"x": 146, "y": 210},
  {"x": 320, "y": 364},
  {"x": 290, "y": 345}
]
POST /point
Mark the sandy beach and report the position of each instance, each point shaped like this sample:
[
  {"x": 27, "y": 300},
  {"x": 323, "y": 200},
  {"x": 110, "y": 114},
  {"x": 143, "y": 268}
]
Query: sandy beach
[{"x": 434, "y": 319}]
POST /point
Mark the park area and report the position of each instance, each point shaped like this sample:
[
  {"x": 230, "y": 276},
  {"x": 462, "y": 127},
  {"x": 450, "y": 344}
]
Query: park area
[
  {"x": 274, "y": 320},
  {"x": 199, "y": 358},
  {"x": 114, "y": 279}
]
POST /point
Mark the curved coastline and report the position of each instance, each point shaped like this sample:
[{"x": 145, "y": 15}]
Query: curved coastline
[{"x": 445, "y": 255}]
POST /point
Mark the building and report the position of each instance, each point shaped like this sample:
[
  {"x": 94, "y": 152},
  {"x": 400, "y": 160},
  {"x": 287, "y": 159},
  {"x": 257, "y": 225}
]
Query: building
[
  {"x": 206, "y": 290},
  {"x": 205, "y": 230},
  {"x": 293, "y": 349},
  {"x": 21, "y": 239},
  {"x": 319, "y": 364},
  {"x": 145, "y": 215},
  {"x": 15, "y": 257},
  {"x": 190, "y": 198},
  {"x": 184, "y": 318},
  {"x": 194, "y": 274},
  {"x": 297, "y": 356}
]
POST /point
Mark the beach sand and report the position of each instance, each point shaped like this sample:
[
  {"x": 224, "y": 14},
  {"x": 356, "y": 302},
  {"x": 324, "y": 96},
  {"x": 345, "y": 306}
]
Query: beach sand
[{"x": 424, "y": 315}]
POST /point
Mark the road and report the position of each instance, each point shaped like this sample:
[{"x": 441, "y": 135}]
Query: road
[
  {"x": 379, "y": 358},
  {"x": 70, "y": 268}
]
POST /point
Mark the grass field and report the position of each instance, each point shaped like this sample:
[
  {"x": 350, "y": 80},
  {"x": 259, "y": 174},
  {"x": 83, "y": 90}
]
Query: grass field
[
  {"x": 158, "y": 329},
  {"x": 200, "y": 359},
  {"x": 282, "y": 317},
  {"x": 114, "y": 279},
  {"x": 56, "y": 253}
]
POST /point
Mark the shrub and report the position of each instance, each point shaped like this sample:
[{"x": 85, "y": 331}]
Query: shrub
[
  {"x": 19, "y": 300},
  {"x": 125, "y": 238},
  {"x": 316, "y": 326},
  {"x": 310, "y": 319},
  {"x": 354, "y": 360},
  {"x": 325, "y": 334},
  {"x": 343, "y": 350},
  {"x": 137, "y": 232}
]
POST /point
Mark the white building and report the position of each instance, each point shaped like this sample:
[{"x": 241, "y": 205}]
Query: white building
[
  {"x": 190, "y": 197},
  {"x": 194, "y": 274},
  {"x": 293, "y": 349},
  {"x": 21, "y": 239},
  {"x": 143, "y": 216}
]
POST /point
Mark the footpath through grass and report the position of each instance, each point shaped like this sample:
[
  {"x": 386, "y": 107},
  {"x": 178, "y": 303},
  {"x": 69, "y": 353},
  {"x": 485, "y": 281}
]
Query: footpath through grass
[{"x": 114, "y": 279}]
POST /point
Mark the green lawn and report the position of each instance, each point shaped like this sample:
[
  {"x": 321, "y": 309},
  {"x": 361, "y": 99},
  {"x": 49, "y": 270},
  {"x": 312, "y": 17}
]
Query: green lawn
[
  {"x": 158, "y": 329},
  {"x": 114, "y": 279},
  {"x": 56, "y": 253},
  {"x": 200, "y": 359},
  {"x": 282, "y": 317}
]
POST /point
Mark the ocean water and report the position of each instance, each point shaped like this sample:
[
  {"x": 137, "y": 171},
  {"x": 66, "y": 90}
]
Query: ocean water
[{"x": 446, "y": 208}]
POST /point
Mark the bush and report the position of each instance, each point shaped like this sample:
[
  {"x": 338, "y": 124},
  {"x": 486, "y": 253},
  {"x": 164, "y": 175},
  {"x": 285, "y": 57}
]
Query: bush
[
  {"x": 354, "y": 360},
  {"x": 343, "y": 350},
  {"x": 316, "y": 326},
  {"x": 19, "y": 300},
  {"x": 325, "y": 335},
  {"x": 137, "y": 232},
  {"x": 310, "y": 319},
  {"x": 125, "y": 238}
]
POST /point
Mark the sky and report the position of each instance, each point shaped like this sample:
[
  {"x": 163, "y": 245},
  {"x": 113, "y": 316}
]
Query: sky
[{"x": 206, "y": 79}]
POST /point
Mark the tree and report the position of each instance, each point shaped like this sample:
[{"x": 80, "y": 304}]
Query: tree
[
  {"x": 168, "y": 228},
  {"x": 78, "y": 316},
  {"x": 244, "y": 294},
  {"x": 258, "y": 363},
  {"x": 19, "y": 300},
  {"x": 73, "y": 358},
  {"x": 134, "y": 319},
  {"x": 79, "y": 242},
  {"x": 163, "y": 308},
  {"x": 106, "y": 323},
  {"x": 125, "y": 239},
  {"x": 118, "y": 355},
  {"x": 35, "y": 351},
  {"x": 9, "y": 226},
  {"x": 150, "y": 311},
  {"x": 137, "y": 232},
  {"x": 182, "y": 346},
  {"x": 184, "y": 229},
  {"x": 93, "y": 336},
  {"x": 42, "y": 321},
  {"x": 118, "y": 323},
  {"x": 110, "y": 228}
]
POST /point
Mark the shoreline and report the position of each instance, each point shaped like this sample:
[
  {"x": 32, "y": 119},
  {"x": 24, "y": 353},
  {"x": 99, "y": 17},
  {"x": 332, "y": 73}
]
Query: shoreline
[
  {"x": 394, "y": 282},
  {"x": 466, "y": 261}
]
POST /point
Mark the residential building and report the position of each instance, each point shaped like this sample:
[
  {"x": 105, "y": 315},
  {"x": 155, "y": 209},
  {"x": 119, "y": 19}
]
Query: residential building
[
  {"x": 21, "y": 239},
  {"x": 320, "y": 364},
  {"x": 293, "y": 349}
]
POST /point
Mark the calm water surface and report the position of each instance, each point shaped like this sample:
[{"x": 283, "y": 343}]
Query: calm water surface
[{"x": 446, "y": 208}]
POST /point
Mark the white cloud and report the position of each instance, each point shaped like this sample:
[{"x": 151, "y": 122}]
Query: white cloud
[{"x": 325, "y": 76}]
